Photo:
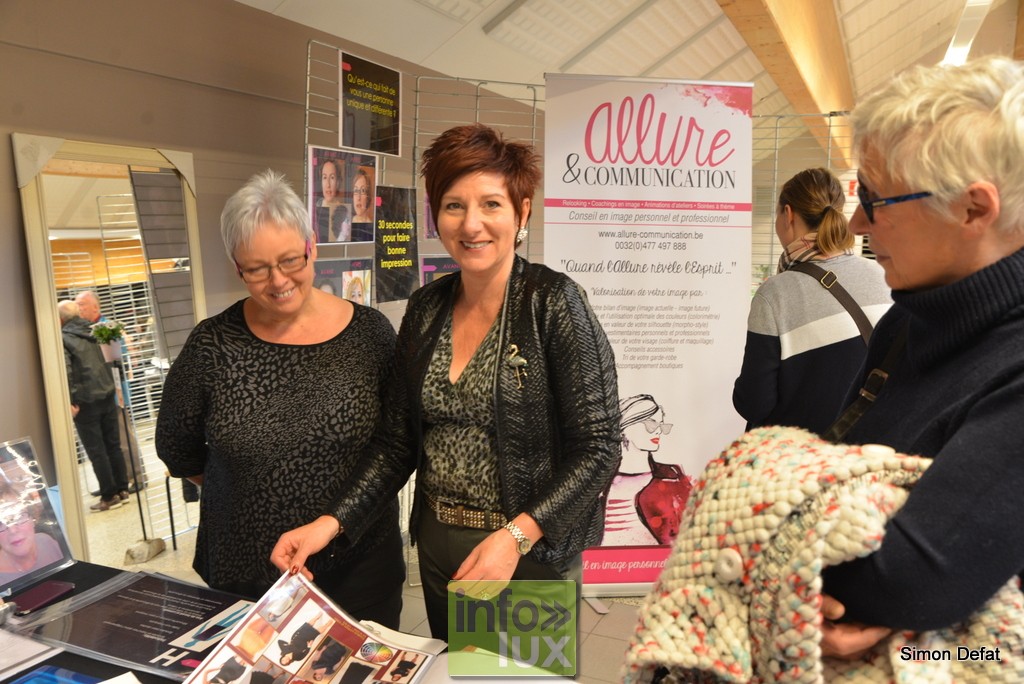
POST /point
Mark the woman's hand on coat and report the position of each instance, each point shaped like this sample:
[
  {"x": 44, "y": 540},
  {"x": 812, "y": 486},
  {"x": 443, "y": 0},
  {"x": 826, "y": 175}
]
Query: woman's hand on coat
[
  {"x": 295, "y": 546},
  {"x": 847, "y": 640}
]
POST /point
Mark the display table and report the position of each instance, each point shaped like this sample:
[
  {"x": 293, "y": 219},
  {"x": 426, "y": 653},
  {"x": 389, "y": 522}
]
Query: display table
[
  {"x": 85, "y": 576},
  {"x": 116, "y": 621}
]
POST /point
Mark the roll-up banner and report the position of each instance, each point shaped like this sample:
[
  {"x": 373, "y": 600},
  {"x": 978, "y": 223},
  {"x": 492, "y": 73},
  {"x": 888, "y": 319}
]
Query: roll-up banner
[{"x": 648, "y": 187}]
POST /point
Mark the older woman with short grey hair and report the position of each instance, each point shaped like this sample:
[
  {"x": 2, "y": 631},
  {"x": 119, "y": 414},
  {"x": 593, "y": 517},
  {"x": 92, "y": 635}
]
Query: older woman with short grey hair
[
  {"x": 942, "y": 203},
  {"x": 269, "y": 406}
]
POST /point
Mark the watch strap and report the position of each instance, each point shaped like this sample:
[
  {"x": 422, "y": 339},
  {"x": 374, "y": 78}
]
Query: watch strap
[{"x": 523, "y": 543}]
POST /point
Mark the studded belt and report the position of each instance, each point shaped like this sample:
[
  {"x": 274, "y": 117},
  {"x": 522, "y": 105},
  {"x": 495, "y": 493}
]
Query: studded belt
[{"x": 463, "y": 516}]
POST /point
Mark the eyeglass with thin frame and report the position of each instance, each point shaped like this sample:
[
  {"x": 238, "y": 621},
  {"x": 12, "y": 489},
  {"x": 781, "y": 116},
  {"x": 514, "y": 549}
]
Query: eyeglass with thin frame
[
  {"x": 259, "y": 274},
  {"x": 360, "y": 191},
  {"x": 653, "y": 426},
  {"x": 870, "y": 205},
  {"x": 9, "y": 521}
]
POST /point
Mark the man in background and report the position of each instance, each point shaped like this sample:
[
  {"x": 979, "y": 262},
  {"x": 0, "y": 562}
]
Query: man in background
[
  {"x": 94, "y": 406},
  {"x": 89, "y": 309}
]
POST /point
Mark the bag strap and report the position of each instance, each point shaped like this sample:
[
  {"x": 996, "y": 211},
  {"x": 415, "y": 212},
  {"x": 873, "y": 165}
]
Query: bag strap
[
  {"x": 869, "y": 392},
  {"x": 830, "y": 282}
]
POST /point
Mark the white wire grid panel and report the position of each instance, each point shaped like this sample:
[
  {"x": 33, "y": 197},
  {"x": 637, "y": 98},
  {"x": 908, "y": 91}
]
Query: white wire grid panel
[{"x": 784, "y": 146}]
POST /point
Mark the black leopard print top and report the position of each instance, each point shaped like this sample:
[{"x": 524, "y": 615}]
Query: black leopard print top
[
  {"x": 461, "y": 464},
  {"x": 274, "y": 429}
]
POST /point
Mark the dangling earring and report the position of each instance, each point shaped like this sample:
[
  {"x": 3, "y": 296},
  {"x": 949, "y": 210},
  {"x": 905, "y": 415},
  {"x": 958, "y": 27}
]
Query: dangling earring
[{"x": 521, "y": 235}]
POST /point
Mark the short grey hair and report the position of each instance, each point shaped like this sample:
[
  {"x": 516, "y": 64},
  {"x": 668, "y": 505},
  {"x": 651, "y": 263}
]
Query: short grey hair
[
  {"x": 67, "y": 310},
  {"x": 939, "y": 129},
  {"x": 266, "y": 197}
]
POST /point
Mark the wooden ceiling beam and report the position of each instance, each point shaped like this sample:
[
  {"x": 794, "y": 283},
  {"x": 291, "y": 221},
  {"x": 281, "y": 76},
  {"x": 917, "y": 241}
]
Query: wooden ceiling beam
[
  {"x": 1018, "y": 43},
  {"x": 801, "y": 47}
]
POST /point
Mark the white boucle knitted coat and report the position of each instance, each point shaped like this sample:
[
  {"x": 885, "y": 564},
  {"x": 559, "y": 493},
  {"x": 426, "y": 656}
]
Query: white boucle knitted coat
[{"x": 739, "y": 599}]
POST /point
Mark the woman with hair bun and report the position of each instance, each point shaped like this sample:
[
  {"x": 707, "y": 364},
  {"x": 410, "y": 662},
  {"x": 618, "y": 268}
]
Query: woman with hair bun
[{"x": 803, "y": 348}]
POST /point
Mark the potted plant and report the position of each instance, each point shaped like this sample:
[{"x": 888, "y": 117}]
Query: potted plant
[{"x": 109, "y": 334}]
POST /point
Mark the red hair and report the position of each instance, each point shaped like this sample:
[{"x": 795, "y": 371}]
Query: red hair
[{"x": 473, "y": 148}]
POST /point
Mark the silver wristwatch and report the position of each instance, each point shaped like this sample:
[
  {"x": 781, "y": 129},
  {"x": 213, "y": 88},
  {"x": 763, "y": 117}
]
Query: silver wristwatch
[{"x": 523, "y": 543}]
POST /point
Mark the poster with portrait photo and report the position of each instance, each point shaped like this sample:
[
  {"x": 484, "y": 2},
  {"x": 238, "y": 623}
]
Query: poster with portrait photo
[
  {"x": 350, "y": 279},
  {"x": 32, "y": 543},
  {"x": 363, "y": 193},
  {"x": 369, "y": 106},
  {"x": 335, "y": 179}
]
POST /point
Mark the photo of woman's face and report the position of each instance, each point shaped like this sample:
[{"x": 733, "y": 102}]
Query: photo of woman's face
[
  {"x": 17, "y": 532},
  {"x": 356, "y": 290},
  {"x": 329, "y": 181},
  {"x": 361, "y": 195}
]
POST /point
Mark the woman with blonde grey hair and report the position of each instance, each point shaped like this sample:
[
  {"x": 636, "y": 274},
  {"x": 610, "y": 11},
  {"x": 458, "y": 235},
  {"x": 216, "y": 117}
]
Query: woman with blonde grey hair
[
  {"x": 942, "y": 202},
  {"x": 269, "y": 405}
]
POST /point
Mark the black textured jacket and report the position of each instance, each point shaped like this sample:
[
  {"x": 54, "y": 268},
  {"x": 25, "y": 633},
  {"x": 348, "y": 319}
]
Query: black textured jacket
[
  {"x": 89, "y": 377},
  {"x": 558, "y": 435}
]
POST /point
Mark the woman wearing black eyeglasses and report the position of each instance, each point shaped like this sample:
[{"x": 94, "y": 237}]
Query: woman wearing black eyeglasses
[
  {"x": 943, "y": 206},
  {"x": 803, "y": 345},
  {"x": 269, "y": 404}
]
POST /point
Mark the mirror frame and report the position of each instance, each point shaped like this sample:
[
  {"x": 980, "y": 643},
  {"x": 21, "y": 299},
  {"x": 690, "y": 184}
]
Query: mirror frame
[{"x": 30, "y": 151}]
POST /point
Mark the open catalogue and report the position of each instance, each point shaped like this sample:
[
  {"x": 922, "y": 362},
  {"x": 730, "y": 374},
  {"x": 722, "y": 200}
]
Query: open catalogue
[{"x": 295, "y": 634}]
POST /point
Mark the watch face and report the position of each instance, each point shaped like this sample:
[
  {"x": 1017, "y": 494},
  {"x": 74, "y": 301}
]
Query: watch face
[{"x": 524, "y": 547}]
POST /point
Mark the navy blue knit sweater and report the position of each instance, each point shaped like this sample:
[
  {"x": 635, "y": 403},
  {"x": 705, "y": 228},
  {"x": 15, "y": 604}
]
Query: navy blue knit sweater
[{"x": 957, "y": 395}]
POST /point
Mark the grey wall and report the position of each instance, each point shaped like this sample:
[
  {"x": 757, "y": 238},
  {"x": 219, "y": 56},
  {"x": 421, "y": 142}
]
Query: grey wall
[{"x": 212, "y": 77}]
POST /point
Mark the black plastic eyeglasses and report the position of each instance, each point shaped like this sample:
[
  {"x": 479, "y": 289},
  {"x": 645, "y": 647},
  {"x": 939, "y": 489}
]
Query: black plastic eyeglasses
[
  {"x": 260, "y": 274},
  {"x": 869, "y": 205}
]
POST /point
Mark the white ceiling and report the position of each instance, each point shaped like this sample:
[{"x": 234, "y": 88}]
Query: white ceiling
[{"x": 518, "y": 41}]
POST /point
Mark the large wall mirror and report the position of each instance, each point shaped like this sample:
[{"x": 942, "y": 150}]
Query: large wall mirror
[{"x": 120, "y": 223}]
